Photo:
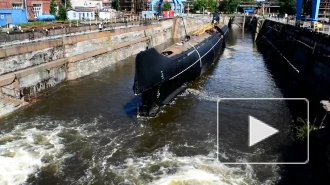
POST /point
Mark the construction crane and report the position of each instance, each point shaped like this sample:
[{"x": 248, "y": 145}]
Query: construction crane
[
  {"x": 175, "y": 2},
  {"x": 315, "y": 25},
  {"x": 315, "y": 10}
]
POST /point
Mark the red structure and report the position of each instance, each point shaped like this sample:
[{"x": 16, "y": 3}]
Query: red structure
[
  {"x": 168, "y": 14},
  {"x": 34, "y": 7},
  {"x": 9, "y": 3},
  {"x": 171, "y": 13}
]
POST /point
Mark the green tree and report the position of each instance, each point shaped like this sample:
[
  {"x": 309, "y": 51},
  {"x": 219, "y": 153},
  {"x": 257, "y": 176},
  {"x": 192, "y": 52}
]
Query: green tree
[
  {"x": 68, "y": 4},
  {"x": 52, "y": 7},
  {"x": 61, "y": 12},
  {"x": 200, "y": 4},
  {"x": 229, "y": 6},
  {"x": 191, "y": 6},
  {"x": 288, "y": 6},
  {"x": 212, "y": 5},
  {"x": 115, "y": 4},
  {"x": 167, "y": 6}
]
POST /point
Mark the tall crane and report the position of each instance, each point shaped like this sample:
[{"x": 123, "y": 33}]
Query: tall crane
[
  {"x": 314, "y": 16},
  {"x": 175, "y": 2},
  {"x": 315, "y": 10}
]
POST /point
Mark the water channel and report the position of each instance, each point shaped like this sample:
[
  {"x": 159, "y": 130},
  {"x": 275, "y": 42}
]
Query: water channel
[{"x": 86, "y": 130}]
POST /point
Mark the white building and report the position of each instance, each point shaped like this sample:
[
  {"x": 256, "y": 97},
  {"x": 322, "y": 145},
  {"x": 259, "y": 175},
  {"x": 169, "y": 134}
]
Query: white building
[
  {"x": 81, "y": 14},
  {"x": 107, "y": 14},
  {"x": 87, "y": 3}
]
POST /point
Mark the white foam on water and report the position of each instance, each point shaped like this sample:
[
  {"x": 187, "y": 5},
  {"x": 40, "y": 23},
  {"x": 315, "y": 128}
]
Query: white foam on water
[
  {"x": 190, "y": 176},
  {"x": 25, "y": 151},
  {"x": 22, "y": 151},
  {"x": 165, "y": 168},
  {"x": 202, "y": 95},
  {"x": 202, "y": 170}
]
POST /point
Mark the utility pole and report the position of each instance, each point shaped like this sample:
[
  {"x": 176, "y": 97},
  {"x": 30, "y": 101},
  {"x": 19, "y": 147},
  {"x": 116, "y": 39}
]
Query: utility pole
[
  {"x": 26, "y": 9},
  {"x": 188, "y": 8}
]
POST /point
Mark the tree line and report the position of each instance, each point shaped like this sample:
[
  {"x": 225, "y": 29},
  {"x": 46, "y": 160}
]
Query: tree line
[
  {"x": 230, "y": 6},
  {"x": 59, "y": 10},
  {"x": 227, "y": 6}
]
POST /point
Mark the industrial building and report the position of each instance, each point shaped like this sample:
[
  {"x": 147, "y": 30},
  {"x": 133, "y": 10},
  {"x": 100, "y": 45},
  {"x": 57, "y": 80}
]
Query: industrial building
[
  {"x": 98, "y": 4},
  {"x": 12, "y": 16},
  {"x": 142, "y": 5},
  {"x": 106, "y": 4},
  {"x": 81, "y": 14},
  {"x": 324, "y": 10},
  {"x": 34, "y": 8},
  {"x": 131, "y": 6},
  {"x": 137, "y": 6}
]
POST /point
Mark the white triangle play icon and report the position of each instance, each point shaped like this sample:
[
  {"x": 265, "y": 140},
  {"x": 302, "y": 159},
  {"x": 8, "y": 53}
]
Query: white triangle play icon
[{"x": 259, "y": 131}]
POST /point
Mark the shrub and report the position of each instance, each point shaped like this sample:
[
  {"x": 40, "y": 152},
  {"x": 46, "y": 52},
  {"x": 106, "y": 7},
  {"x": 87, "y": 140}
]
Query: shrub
[{"x": 302, "y": 131}]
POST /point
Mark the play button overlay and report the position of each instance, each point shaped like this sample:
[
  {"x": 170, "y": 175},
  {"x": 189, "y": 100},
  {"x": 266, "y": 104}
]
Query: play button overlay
[{"x": 261, "y": 131}]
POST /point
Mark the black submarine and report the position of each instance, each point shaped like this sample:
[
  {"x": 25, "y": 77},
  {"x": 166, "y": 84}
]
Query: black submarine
[{"x": 159, "y": 77}]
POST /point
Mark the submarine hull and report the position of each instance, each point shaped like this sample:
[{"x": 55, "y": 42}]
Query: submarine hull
[{"x": 160, "y": 78}]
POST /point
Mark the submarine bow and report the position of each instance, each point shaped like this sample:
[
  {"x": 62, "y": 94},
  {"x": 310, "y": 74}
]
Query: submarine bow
[{"x": 151, "y": 69}]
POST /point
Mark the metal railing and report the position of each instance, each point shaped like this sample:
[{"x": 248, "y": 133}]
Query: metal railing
[
  {"x": 260, "y": 4},
  {"x": 325, "y": 29},
  {"x": 109, "y": 27}
]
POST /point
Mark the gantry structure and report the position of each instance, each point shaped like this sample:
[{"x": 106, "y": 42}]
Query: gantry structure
[{"x": 314, "y": 10}]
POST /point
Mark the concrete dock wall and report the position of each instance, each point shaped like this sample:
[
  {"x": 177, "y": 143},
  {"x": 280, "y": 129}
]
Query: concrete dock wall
[
  {"x": 27, "y": 70},
  {"x": 308, "y": 53},
  {"x": 240, "y": 21},
  {"x": 57, "y": 30}
]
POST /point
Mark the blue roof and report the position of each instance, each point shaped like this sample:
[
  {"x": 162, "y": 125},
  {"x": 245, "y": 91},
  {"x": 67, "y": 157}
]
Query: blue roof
[{"x": 249, "y": 11}]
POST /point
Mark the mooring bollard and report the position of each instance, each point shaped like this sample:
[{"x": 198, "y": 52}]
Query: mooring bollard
[{"x": 77, "y": 23}]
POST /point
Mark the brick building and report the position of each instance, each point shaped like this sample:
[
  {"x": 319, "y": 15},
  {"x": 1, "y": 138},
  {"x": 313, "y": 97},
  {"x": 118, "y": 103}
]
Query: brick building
[
  {"x": 106, "y": 3},
  {"x": 34, "y": 7}
]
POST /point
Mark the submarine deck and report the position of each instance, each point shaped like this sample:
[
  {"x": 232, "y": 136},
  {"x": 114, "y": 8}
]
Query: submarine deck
[{"x": 184, "y": 46}]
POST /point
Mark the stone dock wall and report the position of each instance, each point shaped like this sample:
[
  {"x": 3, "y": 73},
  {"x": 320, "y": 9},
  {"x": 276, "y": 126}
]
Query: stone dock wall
[
  {"x": 27, "y": 70},
  {"x": 306, "y": 52},
  {"x": 58, "y": 30}
]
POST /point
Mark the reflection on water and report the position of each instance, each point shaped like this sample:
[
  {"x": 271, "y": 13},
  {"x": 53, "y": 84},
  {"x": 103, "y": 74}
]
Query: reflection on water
[{"x": 85, "y": 132}]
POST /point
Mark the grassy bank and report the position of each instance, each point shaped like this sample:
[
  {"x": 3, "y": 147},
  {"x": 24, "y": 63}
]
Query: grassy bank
[{"x": 38, "y": 23}]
